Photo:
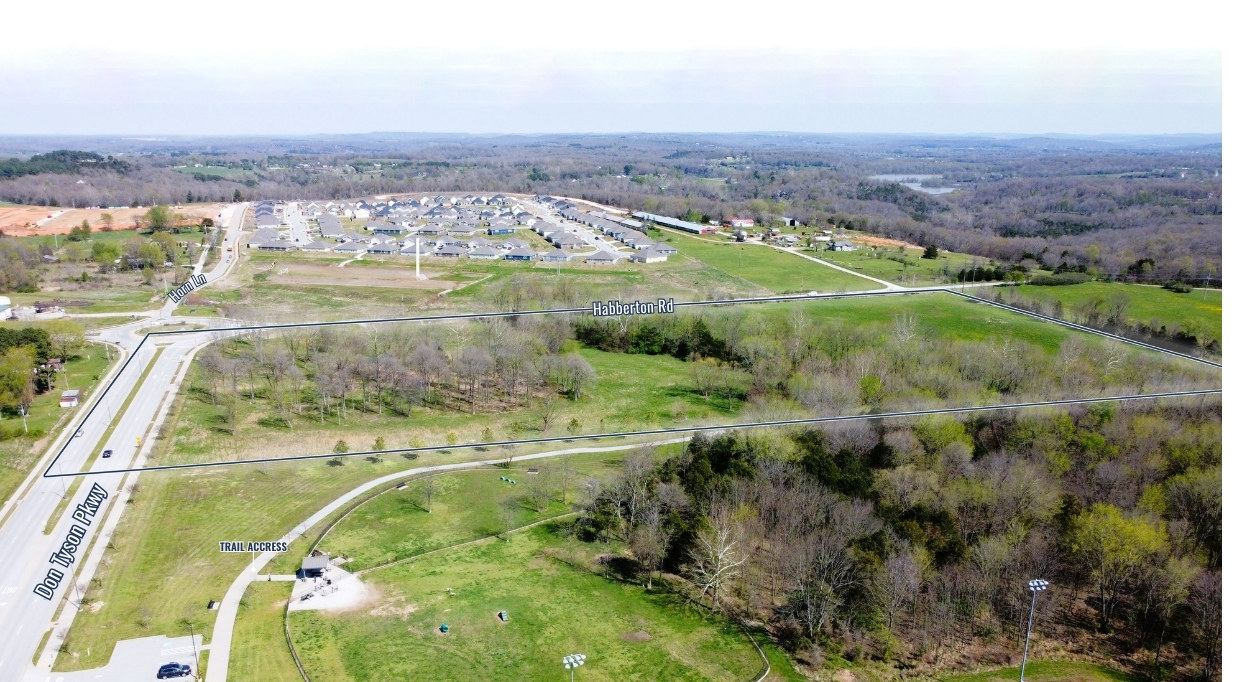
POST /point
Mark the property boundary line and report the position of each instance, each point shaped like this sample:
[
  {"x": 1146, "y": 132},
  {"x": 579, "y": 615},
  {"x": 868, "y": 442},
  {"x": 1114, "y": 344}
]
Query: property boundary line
[
  {"x": 661, "y": 432},
  {"x": 1083, "y": 328},
  {"x": 581, "y": 310}
]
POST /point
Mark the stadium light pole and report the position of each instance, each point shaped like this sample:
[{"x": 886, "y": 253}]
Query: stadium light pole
[
  {"x": 572, "y": 662},
  {"x": 418, "y": 254},
  {"x": 1035, "y": 586}
]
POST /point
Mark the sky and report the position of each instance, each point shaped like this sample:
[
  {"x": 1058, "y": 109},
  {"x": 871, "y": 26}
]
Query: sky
[{"x": 235, "y": 67}]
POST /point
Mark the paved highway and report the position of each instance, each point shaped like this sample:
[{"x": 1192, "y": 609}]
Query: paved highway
[{"x": 29, "y": 554}]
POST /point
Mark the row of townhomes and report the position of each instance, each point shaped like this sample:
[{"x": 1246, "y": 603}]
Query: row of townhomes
[{"x": 474, "y": 227}]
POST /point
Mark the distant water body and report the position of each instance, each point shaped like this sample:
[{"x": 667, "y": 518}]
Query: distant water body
[{"x": 913, "y": 181}]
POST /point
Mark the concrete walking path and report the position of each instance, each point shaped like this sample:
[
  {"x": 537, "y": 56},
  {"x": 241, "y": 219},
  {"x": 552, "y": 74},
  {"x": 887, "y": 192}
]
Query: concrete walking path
[{"x": 223, "y": 629}]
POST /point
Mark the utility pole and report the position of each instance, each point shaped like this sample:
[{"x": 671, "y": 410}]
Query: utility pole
[
  {"x": 194, "y": 653},
  {"x": 418, "y": 259},
  {"x": 1035, "y": 586}
]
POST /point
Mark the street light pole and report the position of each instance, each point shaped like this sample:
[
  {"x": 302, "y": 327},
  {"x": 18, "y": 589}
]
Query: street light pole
[
  {"x": 1035, "y": 586},
  {"x": 571, "y": 663}
]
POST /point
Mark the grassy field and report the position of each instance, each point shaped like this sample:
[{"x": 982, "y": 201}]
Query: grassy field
[
  {"x": 163, "y": 564},
  {"x": 396, "y": 525},
  {"x": 766, "y": 267},
  {"x": 555, "y": 607},
  {"x": 109, "y": 300},
  {"x": 1049, "y": 671},
  {"x": 632, "y": 392},
  {"x": 914, "y": 271},
  {"x": 1146, "y": 303},
  {"x": 939, "y": 314},
  {"x": 215, "y": 171},
  {"x": 258, "y": 651}
]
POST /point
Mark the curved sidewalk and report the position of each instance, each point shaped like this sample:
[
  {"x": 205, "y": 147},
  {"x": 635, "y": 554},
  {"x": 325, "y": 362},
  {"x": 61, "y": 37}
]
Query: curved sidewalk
[{"x": 223, "y": 629}]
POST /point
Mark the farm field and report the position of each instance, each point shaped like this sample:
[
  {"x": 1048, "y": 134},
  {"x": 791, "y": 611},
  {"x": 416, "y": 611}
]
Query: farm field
[
  {"x": 1146, "y": 304},
  {"x": 555, "y": 606},
  {"x": 121, "y": 299},
  {"x": 766, "y": 267}
]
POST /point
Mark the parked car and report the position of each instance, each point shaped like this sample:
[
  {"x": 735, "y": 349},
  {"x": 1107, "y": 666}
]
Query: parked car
[
  {"x": 106, "y": 454},
  {"x": 173, "y": 670}
]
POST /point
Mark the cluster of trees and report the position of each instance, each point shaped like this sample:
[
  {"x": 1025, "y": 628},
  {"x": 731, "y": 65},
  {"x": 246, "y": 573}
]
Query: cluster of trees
[
  {"x": 913, "y": 542},
  {"x": 329, "y": 373},
  {"x": 19, "y": 266},
  {"x": 24, "y": 355},
  {"x": 1102, "y": 206},
  {"x": 796, "y": 360}
]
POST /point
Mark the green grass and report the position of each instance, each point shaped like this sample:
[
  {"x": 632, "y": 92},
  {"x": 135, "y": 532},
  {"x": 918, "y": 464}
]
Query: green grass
[
  {"x": 466, "y": 507},
  {"x": 875, "y": 262},
  {"x": 767, "y": 267},
  {"x": 1146, "y": 303},
  {"x": 554, "y": 609},
  {"x": 632, "y": 392},
  {"x": 215, "y": 171},
  {"x": 1049, "y": 671},
  {"x": 110, "y": 300},
  {"x": 93, "y": 323},
  {"x": 258, "y": 651},
  {"x": 163, "y": 564},
  {"x": 19, "y": 452}
]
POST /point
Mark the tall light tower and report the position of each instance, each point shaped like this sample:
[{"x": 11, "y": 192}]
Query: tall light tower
[
  {"x": 572, "y": 662},
  {"x": 418, "y": 255},
  {"x": 1035, "y": 586}
]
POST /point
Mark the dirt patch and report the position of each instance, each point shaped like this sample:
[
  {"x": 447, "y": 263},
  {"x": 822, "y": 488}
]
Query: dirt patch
[
  {"x": 315, "y": 274},
  {"x": 880, "y": 241},
  {"x": 396, "y": 607},
  {"x": 844, "y": 676},
  {"x": 640, "y": 636},
  {"x": 22, "y": 221}
]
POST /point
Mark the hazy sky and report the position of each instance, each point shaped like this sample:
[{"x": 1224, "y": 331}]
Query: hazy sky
[{"x": 320, "y": 67}]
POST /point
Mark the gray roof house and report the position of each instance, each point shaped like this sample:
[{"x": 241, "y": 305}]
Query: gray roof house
[
  {"x": 558, "y": 256},
  {"x": 317, "y": 246},
  {"x": 350, "y": 247},
  {"x": 451, "y": 251},
  {"x": 648, "y": 256},
  {"x": 486, "y": 253},
  {"x": 267, "y": 220},
  {"x": 521, "y": 253},
  {"x": 603, "y": 258}
]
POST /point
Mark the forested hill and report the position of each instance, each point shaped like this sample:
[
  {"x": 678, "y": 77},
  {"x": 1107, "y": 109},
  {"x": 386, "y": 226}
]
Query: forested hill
[
  {"x": 1074, "y": 202},
  {"x": 62, "y": 161}
]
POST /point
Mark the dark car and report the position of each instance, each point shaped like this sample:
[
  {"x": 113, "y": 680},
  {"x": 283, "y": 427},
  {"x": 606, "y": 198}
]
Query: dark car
[
  {"x": 106, "y": 454},
  {"x": 173, "y": 670}
]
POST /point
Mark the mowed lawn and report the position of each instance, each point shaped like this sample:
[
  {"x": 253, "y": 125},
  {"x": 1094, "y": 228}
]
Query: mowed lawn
[
  {"x": 1146, "y": 303},
  {"x": 767, "y": 267},
  {"x": 466, "y": 506},
  {"x": 163, "y": 565},
  {"x": 1049, "y": 671},
  {"x": 258, "y": 651},
  {"x": 554, "y": 609}
]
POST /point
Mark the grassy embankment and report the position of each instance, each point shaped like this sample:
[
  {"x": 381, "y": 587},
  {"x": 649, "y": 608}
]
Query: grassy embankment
[
  {"x": 163, "y": 564},
  {"x": 1049, "y": 671},
  {"x": 18, "y": 451},
  {"x": 1147, "y": 304},
  {"x": 555, "y": 604}
]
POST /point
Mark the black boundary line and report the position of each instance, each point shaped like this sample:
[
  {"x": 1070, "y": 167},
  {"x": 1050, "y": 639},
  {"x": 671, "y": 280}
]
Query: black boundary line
[
  {"x": 558, "y": 311},
  {"x": 658, "y": 432},
  {"x": 1078, "y": 327}
]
